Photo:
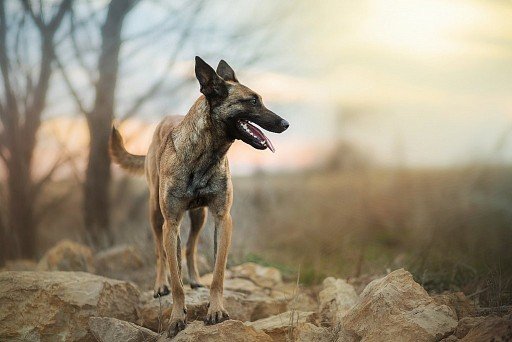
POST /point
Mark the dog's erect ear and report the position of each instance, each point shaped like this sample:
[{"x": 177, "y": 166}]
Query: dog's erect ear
[
  {"x": 212, "y": 85},
  {"x": 226, "y": 72}
]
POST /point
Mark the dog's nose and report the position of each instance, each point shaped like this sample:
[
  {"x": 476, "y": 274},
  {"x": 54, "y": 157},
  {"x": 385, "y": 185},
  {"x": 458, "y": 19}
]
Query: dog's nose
[{"x": 284, "y": 124}]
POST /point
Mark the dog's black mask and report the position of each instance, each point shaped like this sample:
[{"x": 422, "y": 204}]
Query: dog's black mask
[{"x": 238, "y": 107}]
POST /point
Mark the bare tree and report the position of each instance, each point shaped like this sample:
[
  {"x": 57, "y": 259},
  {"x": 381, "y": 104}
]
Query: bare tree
[{"x": 20, "y": 116}]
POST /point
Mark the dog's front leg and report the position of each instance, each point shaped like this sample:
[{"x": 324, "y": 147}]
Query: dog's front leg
[
  {"x": 177, "y": 322},
  {"x": 216, "y": 312}
]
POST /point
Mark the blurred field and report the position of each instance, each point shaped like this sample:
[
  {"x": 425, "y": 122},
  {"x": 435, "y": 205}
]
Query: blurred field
[{"x": 450, "y": 227}]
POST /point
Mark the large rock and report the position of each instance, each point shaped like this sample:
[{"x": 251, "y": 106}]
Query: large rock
[
  {"x": 281, "y": 327},
  {"x": 56, "y": 306},
  {"x": 260, "y": 275},
  {"x": 492, "y": 328},
  {"x": 107, "y": 329},
  {"x": 458, "y": 302},
  {"x": 118, "y": 259},
  {"x": 238, "y": 277},
  {"x": 307, "y": 332},
  {"x": 67, "y": 255},
  {"x": 336, "y": 298},
  {"x": 397, "y": 308},
  {"x": 232, "y": 331},
  {"x": 155, "y": 312}
]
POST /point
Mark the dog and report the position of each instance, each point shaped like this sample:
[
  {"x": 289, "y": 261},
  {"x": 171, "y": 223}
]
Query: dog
[{"x": 187, "y": 169}]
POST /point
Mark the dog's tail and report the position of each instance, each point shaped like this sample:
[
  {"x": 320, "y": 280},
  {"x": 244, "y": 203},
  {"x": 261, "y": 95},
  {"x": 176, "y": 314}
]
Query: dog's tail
[{"x": 130, "y": 162}]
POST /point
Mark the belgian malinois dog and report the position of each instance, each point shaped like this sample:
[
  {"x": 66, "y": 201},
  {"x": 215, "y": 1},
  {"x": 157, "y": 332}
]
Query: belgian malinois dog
[{"x": 187, "y": 169}]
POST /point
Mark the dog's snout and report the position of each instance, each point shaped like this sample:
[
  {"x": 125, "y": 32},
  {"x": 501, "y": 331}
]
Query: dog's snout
[{"x": 285, "y": 124}]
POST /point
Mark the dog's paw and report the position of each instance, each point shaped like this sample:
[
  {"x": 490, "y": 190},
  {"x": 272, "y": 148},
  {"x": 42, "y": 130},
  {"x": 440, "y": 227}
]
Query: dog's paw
[
  {"x": 162, "y": 290},
  {"x": 194, "y": 286},
  {"x": 216, "y": 316},
  {"x": 177, "y": 323},
  {"x": 175, "y": 326}
]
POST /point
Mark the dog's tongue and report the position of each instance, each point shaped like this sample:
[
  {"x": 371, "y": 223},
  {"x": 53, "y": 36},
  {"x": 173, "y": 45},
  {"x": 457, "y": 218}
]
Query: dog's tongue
[
  {"x": 261, "y": 136},
  {"x": 269, "y": 144}
]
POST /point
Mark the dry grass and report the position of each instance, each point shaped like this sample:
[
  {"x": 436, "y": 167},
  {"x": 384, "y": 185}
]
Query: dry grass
[{"x": 451, "y": 228}]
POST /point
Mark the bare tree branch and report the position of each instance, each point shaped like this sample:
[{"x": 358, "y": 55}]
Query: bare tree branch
[
  {"x": 58, "y": 163},
  {"x": 65, "y": 6},
  {"x": 157, "y": 85},
  {"x": 38, "y": 20},
  {"x": 71, "y": 88},
  {"x": 79, "y": 24},
  {"x": 77, "y": 52},
  {"x": 11, "y": 103}
]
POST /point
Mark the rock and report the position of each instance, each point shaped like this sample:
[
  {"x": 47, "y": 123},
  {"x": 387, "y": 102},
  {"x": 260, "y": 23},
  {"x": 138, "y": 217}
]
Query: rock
[
  {"x": 280, "y": 327},
  {"x": 232, "y": 331},
  {"x": 241, "y": 285},
  {"x": 451, "y": 338},
  {"x": 398, "y": 306},
  {"x": 336, "y": 298},
  {"x": 57, "y": 305},
  {"x": 206, "y": 279},
  {"x": 118, "y": 259},
  {"x": 20, "y": 265},
  {"x": 298, "y": 298},
  {"x": 303, "y": 302},
  {"x": 466, "y": 324},
  {"x": 491, "y": 328},
  {"x": 458, "y": 302},
  {"x": 307, "y": 332},
  {"x": 67, "y": 255},
  {"x": 155, "y": 312},
  {"x": 259, "y": 275},
  {"x": 263, "y": 306},
  {"x": 359, "y": 283},
  {"x": 107, "y": 329}
]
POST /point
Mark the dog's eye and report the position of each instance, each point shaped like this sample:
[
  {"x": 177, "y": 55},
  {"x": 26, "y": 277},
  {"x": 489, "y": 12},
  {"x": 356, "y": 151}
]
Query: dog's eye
[{"x": 254, "y": 101}]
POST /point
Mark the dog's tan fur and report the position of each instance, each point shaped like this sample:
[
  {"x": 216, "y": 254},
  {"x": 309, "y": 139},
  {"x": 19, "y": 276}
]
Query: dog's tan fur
[{"x": 187, "y": 169}]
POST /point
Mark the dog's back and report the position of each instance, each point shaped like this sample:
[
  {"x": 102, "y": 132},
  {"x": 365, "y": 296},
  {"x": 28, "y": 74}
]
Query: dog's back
[{"x": 135, "y": 163}]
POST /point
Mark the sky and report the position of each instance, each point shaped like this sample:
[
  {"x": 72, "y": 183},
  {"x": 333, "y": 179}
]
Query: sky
[
  {"x": 432, "y": 78},
  {"x": 419, "y": 83}
]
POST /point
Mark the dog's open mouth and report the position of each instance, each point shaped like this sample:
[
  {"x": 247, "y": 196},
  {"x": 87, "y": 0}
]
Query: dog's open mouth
[{"x": 255, "y": 135}]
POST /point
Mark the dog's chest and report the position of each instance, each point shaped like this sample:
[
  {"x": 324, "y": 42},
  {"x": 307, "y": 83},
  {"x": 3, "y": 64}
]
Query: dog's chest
[{"x": 205, "y": 184}]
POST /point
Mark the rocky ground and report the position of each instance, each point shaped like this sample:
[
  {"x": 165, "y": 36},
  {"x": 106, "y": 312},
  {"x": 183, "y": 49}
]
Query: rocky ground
[{"x": 70, "y": 295}]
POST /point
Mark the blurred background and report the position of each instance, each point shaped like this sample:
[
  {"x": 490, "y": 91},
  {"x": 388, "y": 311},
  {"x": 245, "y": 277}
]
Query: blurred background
[{"x": 399, "y": 152}]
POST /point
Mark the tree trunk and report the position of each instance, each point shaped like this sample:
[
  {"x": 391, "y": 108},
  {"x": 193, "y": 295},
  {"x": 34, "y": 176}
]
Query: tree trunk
[
  {"x": 97, "y": 183},
  {"x": 21, "y": 208}
]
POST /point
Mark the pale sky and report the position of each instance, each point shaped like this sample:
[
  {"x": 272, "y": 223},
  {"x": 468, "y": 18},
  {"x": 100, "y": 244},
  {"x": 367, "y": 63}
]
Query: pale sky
[{"x": 420, "y": 82}]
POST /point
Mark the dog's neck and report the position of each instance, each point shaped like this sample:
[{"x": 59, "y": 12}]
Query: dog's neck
[{"x": 198, "y": 135}]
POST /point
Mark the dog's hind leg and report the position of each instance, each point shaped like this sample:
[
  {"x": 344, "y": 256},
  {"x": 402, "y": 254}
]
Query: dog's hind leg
[
  {"x": 157, "y": 220},
  {"x": 197, "y": 219}
]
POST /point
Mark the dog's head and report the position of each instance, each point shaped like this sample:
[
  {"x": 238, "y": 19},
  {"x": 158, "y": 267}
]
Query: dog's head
[{"x": 237, "y": 107}]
